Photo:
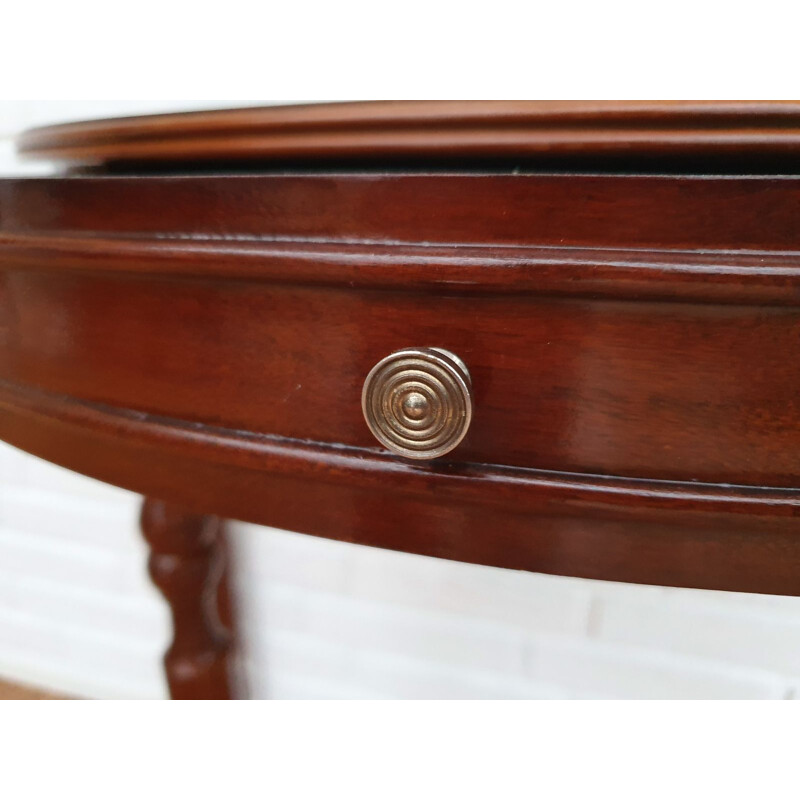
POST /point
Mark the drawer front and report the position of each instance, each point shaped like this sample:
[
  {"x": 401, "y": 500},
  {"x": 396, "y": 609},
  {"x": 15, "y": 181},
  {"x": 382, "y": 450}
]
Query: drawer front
[
  {"x": 673, "y": 390},
  {"x": 631, "y": 327}
]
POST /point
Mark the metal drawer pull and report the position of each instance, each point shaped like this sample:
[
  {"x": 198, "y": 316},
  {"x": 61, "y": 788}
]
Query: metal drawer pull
[{"x": 418, "y": 402}]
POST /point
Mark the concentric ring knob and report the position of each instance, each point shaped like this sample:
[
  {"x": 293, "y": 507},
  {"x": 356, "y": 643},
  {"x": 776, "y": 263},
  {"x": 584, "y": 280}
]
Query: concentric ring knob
[{"x": 418, "y": 402}]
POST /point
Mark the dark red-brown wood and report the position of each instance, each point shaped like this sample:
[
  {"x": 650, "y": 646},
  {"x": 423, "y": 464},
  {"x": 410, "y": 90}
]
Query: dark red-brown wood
[
  {"x": 187, "y": 564},
  {"x": 693, "y": 535},
  {"x": 604, "y": 355},
  {"x": 251, "y": 309},
  {"x": 203, "y": 337},
  {"x": 439, "y": 130}
]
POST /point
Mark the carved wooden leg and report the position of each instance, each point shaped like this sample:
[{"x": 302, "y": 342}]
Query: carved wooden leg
[{"x": 186, "y": 563}]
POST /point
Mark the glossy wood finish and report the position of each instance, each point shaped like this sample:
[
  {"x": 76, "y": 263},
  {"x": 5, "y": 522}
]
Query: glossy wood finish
[
  {"x": 440, "y": 130},
  {"x": 187, "y": 563},
  {"x": 573, "y": 221},
  {"x": 707, "y": 536},
  {"x": 570, "y": 385},
  {"x": 589, "y": 357},
  {"x": 204, "y": 337}
]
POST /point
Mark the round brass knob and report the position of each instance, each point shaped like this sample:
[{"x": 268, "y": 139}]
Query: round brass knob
[{"x": 418, "y": 402}]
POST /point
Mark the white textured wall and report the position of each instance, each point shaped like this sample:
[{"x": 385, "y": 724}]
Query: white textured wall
[{"x": 327, "y": 619}]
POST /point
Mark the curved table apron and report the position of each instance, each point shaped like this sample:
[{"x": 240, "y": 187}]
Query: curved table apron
[{"x": 203, "y": 338}]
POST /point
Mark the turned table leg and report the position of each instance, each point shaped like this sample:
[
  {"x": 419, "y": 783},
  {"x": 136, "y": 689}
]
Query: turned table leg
[{"x": 187, "y": 561}]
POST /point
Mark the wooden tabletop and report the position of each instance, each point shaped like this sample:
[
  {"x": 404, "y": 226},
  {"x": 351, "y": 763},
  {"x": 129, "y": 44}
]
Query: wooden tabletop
[{"x": 449, "y": 130}]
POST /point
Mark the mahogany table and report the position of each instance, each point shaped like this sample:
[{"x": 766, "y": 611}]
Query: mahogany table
[{"x": 554, "y": 337}]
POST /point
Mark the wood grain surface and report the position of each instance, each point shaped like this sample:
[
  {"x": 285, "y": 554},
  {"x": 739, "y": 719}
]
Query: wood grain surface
[
  {"x": 203, "y": 339},
  {"x": 707, "y": 536},
  {"x": 642, "y": 362}
]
